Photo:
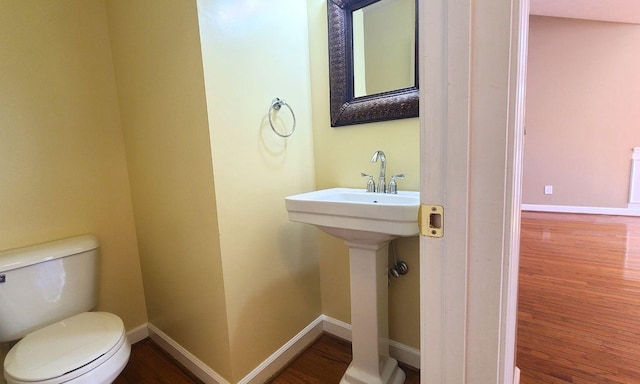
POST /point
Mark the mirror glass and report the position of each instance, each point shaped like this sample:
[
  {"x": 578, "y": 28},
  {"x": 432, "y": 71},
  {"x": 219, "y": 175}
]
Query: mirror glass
[
  {"x": 372, "y": 60},
  {"x": 383, "y": 47}
]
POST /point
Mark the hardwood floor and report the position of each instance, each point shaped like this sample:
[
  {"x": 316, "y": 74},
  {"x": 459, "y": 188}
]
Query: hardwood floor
[
  {"x": 324, "y": 362},
  {"x": 579, "y": 299},
  {"x": 150, "y": 364}
]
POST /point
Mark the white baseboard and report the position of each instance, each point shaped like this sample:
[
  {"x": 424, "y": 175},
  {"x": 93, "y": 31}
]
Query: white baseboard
[
  {"x": 138, "y": 333},
  {"x": 272, "y": 365},
  {"x": 280, "y": 358},
  {"x": 400, "y": 352},
  {"x": 405, "y": 354},
  {"x": 579, "y": 209},
  {"x": 336, "y": 327},
  {"x": 516, "y": 376},
  {"x": 184, "y": 357}
]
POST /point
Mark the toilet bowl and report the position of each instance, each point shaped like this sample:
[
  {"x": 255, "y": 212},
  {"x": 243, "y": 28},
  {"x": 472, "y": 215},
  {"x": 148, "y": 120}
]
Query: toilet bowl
[
  {"x": 46, "y": 293},
  {"x": 90, "y": 347}
]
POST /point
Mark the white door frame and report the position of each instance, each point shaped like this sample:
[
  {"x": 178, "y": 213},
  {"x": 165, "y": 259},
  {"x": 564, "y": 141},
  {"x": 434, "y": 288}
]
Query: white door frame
[{"x": 472, "y": 74}]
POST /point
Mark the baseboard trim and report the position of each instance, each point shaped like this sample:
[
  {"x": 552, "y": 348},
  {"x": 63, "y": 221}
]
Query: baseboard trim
[
  {"x": 184, "y": 357},
  {"x": 405, "y": 354},
  {"x": 336, "y": 327},
  {"x": 516, "y": 376},
  {"x": 579, "y": 209},
  {"x": 401, "y": 352},
  {"x": 279, "y": 359},
  {"x": 138, "y": 333}
]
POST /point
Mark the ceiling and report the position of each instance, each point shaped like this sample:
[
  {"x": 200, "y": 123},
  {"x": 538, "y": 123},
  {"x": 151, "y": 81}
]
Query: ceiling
[{"x": 621, "y": 11}]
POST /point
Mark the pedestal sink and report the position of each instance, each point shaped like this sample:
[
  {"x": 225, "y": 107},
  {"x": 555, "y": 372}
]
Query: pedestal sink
[{"x": 366, "y": 222}]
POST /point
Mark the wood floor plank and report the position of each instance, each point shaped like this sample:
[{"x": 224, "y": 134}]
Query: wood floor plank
[{"x": 579, "y": 299}]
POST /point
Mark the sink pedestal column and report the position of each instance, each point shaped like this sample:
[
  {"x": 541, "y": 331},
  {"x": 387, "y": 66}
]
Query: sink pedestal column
[{"x": 371, "y": 362}]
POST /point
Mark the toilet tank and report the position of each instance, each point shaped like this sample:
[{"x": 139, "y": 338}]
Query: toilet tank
[{"x": 42, "y": 284}]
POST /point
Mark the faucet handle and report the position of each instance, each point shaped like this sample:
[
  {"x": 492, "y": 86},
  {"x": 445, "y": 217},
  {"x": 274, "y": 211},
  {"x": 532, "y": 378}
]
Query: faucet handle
[
  {"x": 371, "y": 185},
  {"x": 393, "y": 186}
]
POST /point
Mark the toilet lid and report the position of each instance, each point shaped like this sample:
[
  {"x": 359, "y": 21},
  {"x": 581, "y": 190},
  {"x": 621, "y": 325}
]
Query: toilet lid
[{"x": 63, "y": 347}]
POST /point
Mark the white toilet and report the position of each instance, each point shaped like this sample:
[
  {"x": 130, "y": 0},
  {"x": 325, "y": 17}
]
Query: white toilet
[{"x": 46, "y": 291}]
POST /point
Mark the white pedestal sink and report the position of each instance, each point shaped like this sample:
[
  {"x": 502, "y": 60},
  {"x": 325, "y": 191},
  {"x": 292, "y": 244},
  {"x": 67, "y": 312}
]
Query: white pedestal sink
[{"x": 366, "y": 222}]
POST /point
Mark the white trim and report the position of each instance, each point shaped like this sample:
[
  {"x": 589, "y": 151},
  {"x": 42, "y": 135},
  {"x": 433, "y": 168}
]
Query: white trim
[
  {"x": 634, "y": 180},
  {"x": 405, "y": 354},
  {"x": 336, "y": 327},
  {"x": 278, "y": 360},
  {"x": 138, "y": 333},
  {"x": 631, "y": 211},
  {"x": 512, "y": 216},
  {"x": 468, "y": 278},
  {"x": 285, "y": 354},
  {"x": 184, "y": 357},
  {"x": 401, "y": 352},
  {"x": 445, "y": 59}
]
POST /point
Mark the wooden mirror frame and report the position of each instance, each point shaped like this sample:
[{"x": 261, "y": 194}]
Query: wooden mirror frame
[{"x": 345, "y": 108}]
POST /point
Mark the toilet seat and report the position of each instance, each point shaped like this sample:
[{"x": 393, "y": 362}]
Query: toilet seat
[{"x": 90, "y": 343}]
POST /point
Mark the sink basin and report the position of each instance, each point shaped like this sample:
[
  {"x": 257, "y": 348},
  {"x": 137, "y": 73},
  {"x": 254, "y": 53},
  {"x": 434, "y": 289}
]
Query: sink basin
[{"x": 357, "y": 215}]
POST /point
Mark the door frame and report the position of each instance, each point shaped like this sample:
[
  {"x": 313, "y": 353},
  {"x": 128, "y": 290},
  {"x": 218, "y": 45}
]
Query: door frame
[{"x": 473, "y": 77}]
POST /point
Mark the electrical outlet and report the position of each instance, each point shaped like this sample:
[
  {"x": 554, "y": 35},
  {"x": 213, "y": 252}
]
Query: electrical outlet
[{"x": 548, "y": 189}]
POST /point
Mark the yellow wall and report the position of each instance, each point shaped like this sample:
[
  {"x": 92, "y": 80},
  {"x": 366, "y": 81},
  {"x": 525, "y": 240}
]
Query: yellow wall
[
  {"x": 253, "y": 52},
  {"x": 340, "y": 155},
  {"x": 160, "y": 81},
  {"x": 225, "y": 273},
  {"x": 389, "y": 45},
  {"x": 62, "y": 159}
]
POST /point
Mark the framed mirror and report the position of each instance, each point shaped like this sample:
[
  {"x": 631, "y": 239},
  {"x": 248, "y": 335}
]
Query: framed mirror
[{"x": 373, "y": 69}]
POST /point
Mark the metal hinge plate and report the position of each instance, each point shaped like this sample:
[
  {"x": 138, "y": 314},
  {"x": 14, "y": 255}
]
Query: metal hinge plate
[{"x": 431, "y": 220}]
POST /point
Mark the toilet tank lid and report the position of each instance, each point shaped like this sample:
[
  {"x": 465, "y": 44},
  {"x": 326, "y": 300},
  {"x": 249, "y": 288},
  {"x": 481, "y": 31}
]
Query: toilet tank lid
[{"x": 34, "y": 254}]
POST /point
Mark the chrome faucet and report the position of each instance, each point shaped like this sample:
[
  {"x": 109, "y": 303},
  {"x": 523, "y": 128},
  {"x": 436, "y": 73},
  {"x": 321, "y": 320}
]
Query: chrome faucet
[{"x": 382, "y": 183}]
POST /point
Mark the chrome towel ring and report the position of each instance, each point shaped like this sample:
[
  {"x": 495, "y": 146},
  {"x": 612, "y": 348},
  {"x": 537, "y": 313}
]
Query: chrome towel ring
[{"x": 276, "y": 104}]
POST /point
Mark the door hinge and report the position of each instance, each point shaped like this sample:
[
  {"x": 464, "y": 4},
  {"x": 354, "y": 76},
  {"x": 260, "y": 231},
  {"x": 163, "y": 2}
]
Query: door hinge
[{"x": 431, "y": 220}]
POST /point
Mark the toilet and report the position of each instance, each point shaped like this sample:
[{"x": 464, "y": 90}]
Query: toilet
[{"x": 46, "y": 293}]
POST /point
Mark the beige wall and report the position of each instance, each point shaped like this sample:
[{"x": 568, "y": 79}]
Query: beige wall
[
  {"x": 253, "y": 52},
  {"x": 582, "y": 112},
  {"x": 62, "y": 160},
  {"x": 340, "y": 155},
  {"x": 158, "y": 68}
]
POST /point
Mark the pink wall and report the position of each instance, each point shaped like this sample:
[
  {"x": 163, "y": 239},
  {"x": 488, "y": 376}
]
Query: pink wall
[{"x": 583, "y": 111}]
